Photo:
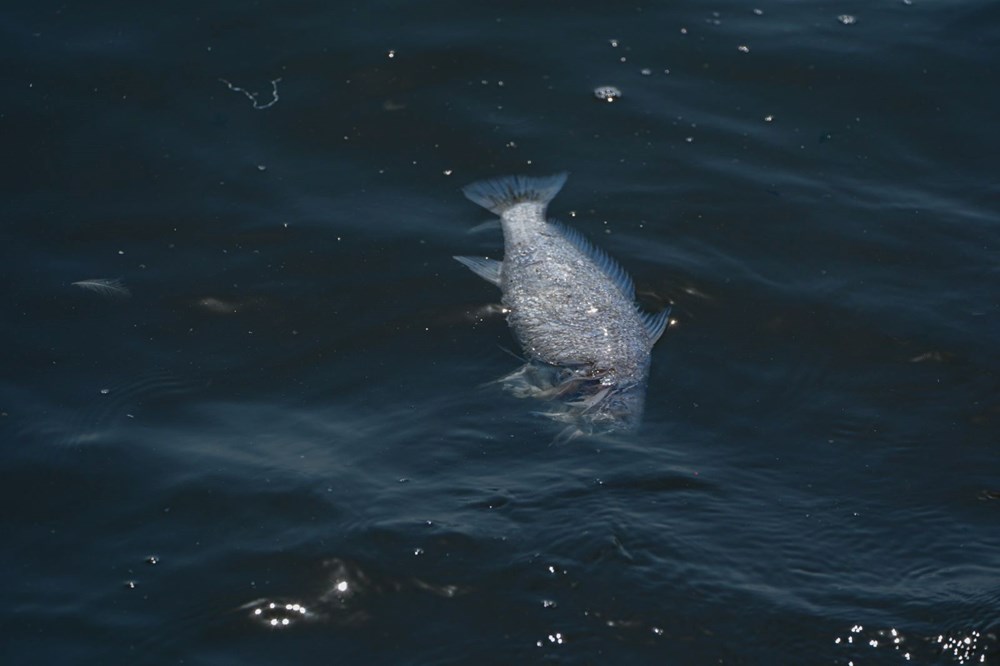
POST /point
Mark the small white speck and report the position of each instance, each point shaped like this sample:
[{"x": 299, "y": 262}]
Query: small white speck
[{"x": 743, "y": 48}]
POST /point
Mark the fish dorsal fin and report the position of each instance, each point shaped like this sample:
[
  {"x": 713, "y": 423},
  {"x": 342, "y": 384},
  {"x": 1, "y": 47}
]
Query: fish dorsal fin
[
  {"x": 600, "y": 258},
  {"x": 499, "y": 194},
  {"x": 655, "y": 324},
  {"x": 488, "y": 269}
]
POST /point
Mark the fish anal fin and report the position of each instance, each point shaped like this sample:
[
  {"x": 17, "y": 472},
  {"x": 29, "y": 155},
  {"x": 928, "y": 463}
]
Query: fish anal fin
[{"x": 488, "y": 269}]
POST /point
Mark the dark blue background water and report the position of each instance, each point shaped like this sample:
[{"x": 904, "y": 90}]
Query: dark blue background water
[{"x": 293, "y": 407}]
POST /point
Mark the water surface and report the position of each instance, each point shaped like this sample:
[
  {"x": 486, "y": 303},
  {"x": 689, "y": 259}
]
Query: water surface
[{"x": 294, "y": 406}]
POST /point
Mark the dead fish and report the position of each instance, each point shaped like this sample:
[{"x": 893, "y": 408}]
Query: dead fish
[{"x": 571, "y": 307}]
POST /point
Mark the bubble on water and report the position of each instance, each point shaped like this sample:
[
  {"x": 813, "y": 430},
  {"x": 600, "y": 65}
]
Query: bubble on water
[
  {"x": 607, "y": 93},
  {"x": 645, "y": 71},
  {"x": 847, "y": 19},
  {"x": 743, "y": 48},
  {"x": 279, "y": 614}
]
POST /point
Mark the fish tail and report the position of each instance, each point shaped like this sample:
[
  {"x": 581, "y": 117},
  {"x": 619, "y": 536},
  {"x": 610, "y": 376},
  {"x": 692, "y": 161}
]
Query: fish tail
[{"x": 500, "y": 194}]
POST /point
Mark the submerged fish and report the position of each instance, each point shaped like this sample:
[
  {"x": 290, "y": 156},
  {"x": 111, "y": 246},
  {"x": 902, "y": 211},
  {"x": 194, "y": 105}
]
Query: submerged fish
[{"x": 571, "y": 307}]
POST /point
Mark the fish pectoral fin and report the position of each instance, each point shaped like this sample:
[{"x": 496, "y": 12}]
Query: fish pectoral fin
[
  {"x": 655, "y": 323},
  {"x": 488, "y": 269}
]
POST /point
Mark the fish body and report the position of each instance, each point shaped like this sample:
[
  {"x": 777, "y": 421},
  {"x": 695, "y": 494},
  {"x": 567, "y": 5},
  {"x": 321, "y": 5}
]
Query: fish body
[{"x": 571, "y": 307}]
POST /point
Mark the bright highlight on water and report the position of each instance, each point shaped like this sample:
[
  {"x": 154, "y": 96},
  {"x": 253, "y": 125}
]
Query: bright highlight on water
[{"x": 571, "y": 307}]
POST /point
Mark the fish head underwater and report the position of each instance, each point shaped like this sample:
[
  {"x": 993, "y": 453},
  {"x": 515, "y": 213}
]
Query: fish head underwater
[
  {"x": 587, "y": 405},
  {"x": 571, "y": 307}
]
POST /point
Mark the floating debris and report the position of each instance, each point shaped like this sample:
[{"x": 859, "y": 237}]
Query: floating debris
[
  {"x": 252, "y": 96},
  {"x": 104, "y": 287},
  {"x": 847, "y": 19}
]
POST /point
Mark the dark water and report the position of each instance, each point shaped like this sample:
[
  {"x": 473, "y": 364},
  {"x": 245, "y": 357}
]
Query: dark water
[{"x": 293, "y": 406}]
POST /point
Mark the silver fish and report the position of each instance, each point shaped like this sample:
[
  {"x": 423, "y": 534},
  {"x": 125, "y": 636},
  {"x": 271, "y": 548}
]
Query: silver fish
[{"x": 571, "y": 307}]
